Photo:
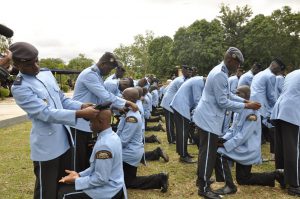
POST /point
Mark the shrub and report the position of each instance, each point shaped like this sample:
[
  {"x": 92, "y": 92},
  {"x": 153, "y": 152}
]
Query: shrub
[
  {"x": 4, "y": 92},
  {"x": 65, "y": 88}
]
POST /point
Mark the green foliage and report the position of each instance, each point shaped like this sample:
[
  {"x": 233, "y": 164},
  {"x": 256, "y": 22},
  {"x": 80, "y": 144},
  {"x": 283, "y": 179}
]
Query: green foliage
[
  {"x": 4, "y": 92},
  {"x": 80, "y": 63},
  {"x": 52, "y": 63},
  {"x": 65, "y": 88}
]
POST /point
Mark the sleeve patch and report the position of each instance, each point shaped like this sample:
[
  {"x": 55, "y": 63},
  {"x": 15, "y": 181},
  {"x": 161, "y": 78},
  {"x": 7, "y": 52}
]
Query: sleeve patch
[
  {"x": 252, "y": 117},
  {"x": 131, "y": 119},
  {"x": 103, "y": 155}
]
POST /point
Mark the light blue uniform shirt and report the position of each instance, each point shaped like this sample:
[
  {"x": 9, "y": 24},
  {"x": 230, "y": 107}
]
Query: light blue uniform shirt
[
  {"x": 46, "y": 106},
  {"x": 246, "y": 79},
  {"x": 278, "y": 85},
  {"x": 171, "y": 91},
  {"x": 233, "y": 83},
  {"x": 243, "y": 139},
  {"x": 111, "y": 77},
  {"x": 188, "y": 96},
  {"x": 155, "y": 97},
  {"x": 113, "y": 87},
  {"x": 263, "y": 91},
  {"x": 287, "y": 107},
  {"x": 147, "y": 107},
  {"x": 215, "y": 101},
  {"x": 139, "y": 103},
  {"x": 104, "y": 178},
  {"x": 131, "y": 136},
  {"x": 90, "y": 87}
]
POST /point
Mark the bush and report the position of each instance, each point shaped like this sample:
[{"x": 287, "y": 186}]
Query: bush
[
  {"x": 4, "y": 92},
  {"x": 65, "y": 88}
]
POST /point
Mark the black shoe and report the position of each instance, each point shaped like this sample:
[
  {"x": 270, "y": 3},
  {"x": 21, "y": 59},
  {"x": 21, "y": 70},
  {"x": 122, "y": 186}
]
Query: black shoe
[
  {"x": 156, "y": 139},
  {"x": 172, "y": 142},
  {"x": 208, "y": 194},
  {"x": 162, "y": 154},
  {"x": 294, "y": 191},
  {"x": 226, "y": 190},
  {"x": 187, "y": 159},
  {"x": 160, "y": 127},
  {"x": 279, "y": 177},
  {"x": 164, "y": 182}
]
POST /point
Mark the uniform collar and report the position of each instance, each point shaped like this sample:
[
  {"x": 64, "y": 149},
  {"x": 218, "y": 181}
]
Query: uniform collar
[
  {"x": 104, "y": 133},
  {"x": 27, "y": 76},
  {"x": 224, "y": 68},
  {"x": 96, "y": 69}
]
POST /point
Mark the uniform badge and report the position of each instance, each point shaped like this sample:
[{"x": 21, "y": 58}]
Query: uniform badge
[
  {"x": 131, "y": 119},
  {"x": 103, "y": 155},
  {"x": 252, "y": 117}
]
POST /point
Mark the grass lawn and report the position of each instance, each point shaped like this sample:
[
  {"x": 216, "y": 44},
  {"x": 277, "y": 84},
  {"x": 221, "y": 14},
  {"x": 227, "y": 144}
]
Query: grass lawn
[{"x": 17, "y": 178}]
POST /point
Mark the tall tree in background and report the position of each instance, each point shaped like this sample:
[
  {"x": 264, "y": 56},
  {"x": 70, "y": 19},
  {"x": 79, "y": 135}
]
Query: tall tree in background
[
  {"x": 80, "y": 63},
  {"x": 234, "y": 22},
  {"x": 160, "y": 57},
  {"x": 200, "y": 45},
  {"x": 139, "y": 50}
]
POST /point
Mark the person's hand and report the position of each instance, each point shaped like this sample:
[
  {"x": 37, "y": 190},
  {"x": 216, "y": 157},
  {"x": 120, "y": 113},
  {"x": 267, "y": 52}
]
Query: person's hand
[
  {"x": 69, "y": 179},
  {"x": 252, "y": 105},
  {"x": 133, "y": 106},
  {"x": 87, "y": 113},
  {"x": 85, "y": 105}
]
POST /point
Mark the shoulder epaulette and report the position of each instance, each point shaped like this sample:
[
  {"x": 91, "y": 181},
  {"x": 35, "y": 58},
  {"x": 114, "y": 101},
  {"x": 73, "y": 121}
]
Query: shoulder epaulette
[
  {"x": 131, "y": 119},
  {"x": 94, "y": 68},
  {"x": 18, "y": 80},
  {"x": 223, "y": 69},
  {"x": 252, "y": 117}
]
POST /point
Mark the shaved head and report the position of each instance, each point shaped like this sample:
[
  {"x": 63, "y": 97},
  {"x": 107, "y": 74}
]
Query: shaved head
[
  {"x": 131, "y": 94},
  {"x": 140, "y": 90},
  {"x": 243, "y": 92},
  {"x": 102, "y": 121}
]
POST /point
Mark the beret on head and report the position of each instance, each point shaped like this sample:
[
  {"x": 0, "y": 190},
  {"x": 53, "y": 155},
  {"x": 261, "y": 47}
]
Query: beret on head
[
  {"x": 109, "y": 57},
  {"x": 235, "y": 54},
  {"x": 187, "y": 67},
  {"x": 280, "y": 63},
  {"x": 23, "y": 52}
]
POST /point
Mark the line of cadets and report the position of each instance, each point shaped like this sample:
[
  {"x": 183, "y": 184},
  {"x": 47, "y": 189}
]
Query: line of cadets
[{"x": 185, "y": 102}]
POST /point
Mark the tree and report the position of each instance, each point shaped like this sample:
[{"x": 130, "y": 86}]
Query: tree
[
  {"x": 80, "y": 63},
  {"x": 233, "y": 22},
  {"x": 200, "y": 45},
  {"x": 160, "y": 57},
  {"x": 52, "y": 63}
]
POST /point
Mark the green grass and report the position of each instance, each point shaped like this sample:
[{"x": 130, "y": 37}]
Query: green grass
[{"x": 17, "y": 178}]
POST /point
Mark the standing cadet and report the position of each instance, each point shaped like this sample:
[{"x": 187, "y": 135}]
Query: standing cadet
[
  {"x": 90, "y": 87},
  {"x": 263, "y": 91},
  {"x": 130, "y": 132},
  {"x": 104, "y": 178},
  {"x": 167, "y": 99},
  {"x": 286, "y": 114},
  {"x": 183, "y": 103},
  {"x": 241, "y": 144},
  {"x": 37, "y": 93},
  {"x": 246, "y": 79},
  {"x": 209, "y": 115}
]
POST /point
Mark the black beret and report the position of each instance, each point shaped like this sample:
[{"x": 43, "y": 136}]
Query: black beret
[
  {"x": 109, "y": 58},
  {"x": 280, "y": 63},
  {"x": 23, "y": 52}
]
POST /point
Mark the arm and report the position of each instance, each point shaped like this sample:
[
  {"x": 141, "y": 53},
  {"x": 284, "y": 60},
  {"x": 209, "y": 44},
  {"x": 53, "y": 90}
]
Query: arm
[
  {"x": 100, "y": 176},
  {"x": 221, "y": 90},
  {"x": 37, "y": 108},
  {"x": 95, "y": 86},
  {"x": 248, "y": 128},
  {"x": 128, "y": 130}
]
